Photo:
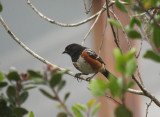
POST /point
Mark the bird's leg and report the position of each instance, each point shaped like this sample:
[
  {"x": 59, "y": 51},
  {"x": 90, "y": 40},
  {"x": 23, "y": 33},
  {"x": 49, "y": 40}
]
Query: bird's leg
[
  {"x": 77, "y": 75},
  {"x": 89, "y": 78}
]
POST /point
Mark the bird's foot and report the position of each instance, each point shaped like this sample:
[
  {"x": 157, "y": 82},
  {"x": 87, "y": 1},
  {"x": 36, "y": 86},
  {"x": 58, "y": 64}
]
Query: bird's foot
[
  {"x": 89, "y": 79},
  {"x": 77, "y": 75}
]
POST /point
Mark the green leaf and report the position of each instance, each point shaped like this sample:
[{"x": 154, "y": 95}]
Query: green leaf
[
  {"x": 115, "y": 86},
  {"x": 76, "y": 112},
  {"x": 23, "y": 97},
  {"x": 55, "y": 79},
  {"x": 31, "y": 114},
  {"x": 98, "y": 87},
  {"x": 156, "y": 36},
  {"x": 126, "y": 63},
  {"x": 81, "y": 107},
  {"x": 20, "y": 111},
  {"x": 3, "y": 103},
  {"x": 149, "y": 3},
  {"x": 154, "y": 2},
  {"x": 1, "y": 76},
  {"x": 36, "y": 80},
  {"x": 1, "y": 7},
  {"x": 120, "y": 6},
  {"x": 152, "y": 55},
  {"x": 134, "y": 21},
  {"x": 91, "y": 102},
  {"x": 13, "y": 75},
  {"x": 29, "y": 87},
  {"x": 47, "y": 94},
  {"x": 132, "y": 33},
  {"x": 95, "y": 109},
  {"x": 11, "y": 93},
  {"x": 3, "y": 84},
  {"x": 114, "y": 23},
  {"x": 128, "y": 1},
  {"x": 62, "y": 114},
  {"x": 129, "y": 84},
  {"x": 130, "y": 67},
  {"x": 5, "y": 110},
  {"x": 34, "y": 74},
  {"x": 120, "y": 60},
  {"x": 157, "y": 18},
  {"x": 130, "y": 54},
  {"x": 66, "y": 96},
  {"x": 61, "y": 85},
  {"x": 122, "y": 111}
]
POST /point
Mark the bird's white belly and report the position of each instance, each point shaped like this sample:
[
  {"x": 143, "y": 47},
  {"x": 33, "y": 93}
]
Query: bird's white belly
[{"x": 83, "y": 66}]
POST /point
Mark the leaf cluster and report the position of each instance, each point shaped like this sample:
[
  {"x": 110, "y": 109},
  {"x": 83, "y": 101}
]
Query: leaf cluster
[
  {"x": 90, "y": 109},
  {"x": 126, "y": 65}
]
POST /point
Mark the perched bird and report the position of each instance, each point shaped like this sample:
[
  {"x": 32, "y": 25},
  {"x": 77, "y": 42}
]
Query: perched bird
[{"x": 86, "y": 61}]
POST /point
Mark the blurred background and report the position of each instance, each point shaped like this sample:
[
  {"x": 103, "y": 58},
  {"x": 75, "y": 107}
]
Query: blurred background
[{"x": 49, "y": 41}]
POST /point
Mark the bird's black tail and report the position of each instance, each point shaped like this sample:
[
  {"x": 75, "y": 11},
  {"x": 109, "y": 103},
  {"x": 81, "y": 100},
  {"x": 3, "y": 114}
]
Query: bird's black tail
[{"x": 106, "y": 73}]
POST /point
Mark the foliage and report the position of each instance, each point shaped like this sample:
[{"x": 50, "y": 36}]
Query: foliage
[
  {"x": 31, "y": 114},
  {"x": 1, "y": 7},
  {"x": 152, "y": 55},
  {"x": 122, "y": 111},
  {"x": 89, "y": 109},
  {"x": 17, "y": 85},
  {"x": 126, "y": 65},
  {"x": 13, "y": 85}
]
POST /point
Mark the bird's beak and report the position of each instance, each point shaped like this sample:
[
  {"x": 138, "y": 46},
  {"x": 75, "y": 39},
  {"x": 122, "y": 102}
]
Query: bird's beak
[{"x": 64, "y": 52}]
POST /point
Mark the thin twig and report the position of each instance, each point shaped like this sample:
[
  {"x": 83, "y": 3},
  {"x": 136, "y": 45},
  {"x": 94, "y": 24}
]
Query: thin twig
[
  {"x": 136, "y": 56},
  {"x": 144, "y": 37},
  {"x": 146, "y": 93},
  {"x": 85, "y": 37},
  {"x": 56, "y": 95},
  {"x": 123, "y": 30},
  {"x": 59, "y": 23},
  {"x": 101, "y": 45},
  {"x": 114, "y": 34},
  {"x": 138, "y": 92},
  {"x": 148, "y": 13},
  {"x": 134, "y": 91},
  {"x": 85, "y": 6},
  {"x": 139, "y": 76},
  {"x": 117, "y": 102},
  {"x": 33, "y": 53},
  {"x": 148, "y": 105},
  {"x": 63, "y": 24},
  {"x": 140, "y": 48},
  {"x": 62, "y": 103}
]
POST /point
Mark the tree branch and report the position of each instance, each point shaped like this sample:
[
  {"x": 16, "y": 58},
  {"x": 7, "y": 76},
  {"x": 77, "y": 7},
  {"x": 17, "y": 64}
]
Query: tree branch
[
  {"x": 114, "y": 100},
  {"x": 32, "y": 52},
  {"x": 63, "y": 24},
  {"x": 122, "y": 29},
  {"x": 59, "y": 23},
  {"x": 116, "y": 40},
  {"x": 148, "y": 105},
  {"x": 61, "y": 102},
  {"x": 138, "y": 92},
  {"x": 99, "y": 14},
  {"x": 148, "y": 13},
  {"x": 85, "y": 6},
  {"x": 146, "y": 93}
]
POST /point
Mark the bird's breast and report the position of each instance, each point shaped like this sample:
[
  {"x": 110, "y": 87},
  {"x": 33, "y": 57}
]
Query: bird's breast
[{"x": 84, "y": 66}]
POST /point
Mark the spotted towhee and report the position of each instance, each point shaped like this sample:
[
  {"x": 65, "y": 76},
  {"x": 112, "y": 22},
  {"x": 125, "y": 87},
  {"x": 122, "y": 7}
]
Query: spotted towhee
[{"x": 86, "y": 61}]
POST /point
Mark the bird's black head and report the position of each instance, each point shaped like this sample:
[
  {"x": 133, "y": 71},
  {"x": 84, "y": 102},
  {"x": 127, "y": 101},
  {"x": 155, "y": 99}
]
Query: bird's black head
[{"x": 74, "y": 50}]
